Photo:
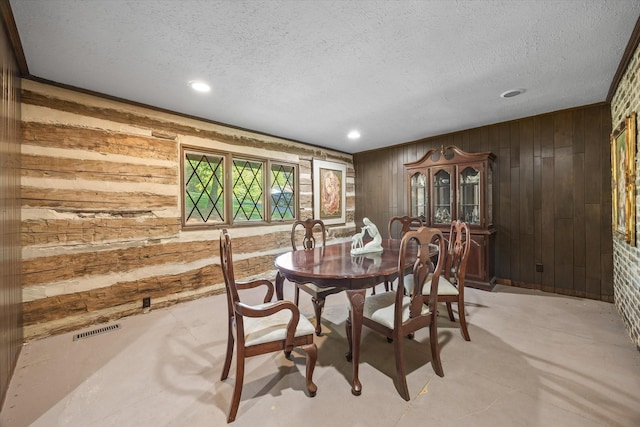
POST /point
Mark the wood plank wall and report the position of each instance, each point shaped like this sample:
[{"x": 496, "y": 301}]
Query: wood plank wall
[
  {"x": 10, "y": 289},
  {"x": 552, "y": 196},
  {"x": 101, "y": 196}
]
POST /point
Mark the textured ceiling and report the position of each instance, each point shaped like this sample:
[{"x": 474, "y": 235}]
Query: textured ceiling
[{"x": 313, "y": 70}]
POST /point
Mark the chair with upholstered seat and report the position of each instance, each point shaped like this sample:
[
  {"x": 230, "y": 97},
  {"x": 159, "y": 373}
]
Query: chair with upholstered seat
[
  {"x": 398, "y": 314},
  {"x": 307, "y": 241},
  {"x": 262, "y": 328},
  {"x": 398, "y": 227},
  {"x": 451, "y": 286}
]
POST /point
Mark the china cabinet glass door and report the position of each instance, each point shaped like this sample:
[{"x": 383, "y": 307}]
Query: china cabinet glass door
[
  {"x": 419, "y": 196},
  {"x": 442, "y": 197},
  {"x": 469, "y": 196}
]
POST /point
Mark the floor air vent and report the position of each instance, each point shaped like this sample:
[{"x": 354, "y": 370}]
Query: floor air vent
[{"x": 93, "y": 332}]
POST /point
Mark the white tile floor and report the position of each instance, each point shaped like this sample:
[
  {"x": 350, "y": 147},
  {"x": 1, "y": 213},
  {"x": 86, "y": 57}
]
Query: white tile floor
[{"x": 535, "y": 359}]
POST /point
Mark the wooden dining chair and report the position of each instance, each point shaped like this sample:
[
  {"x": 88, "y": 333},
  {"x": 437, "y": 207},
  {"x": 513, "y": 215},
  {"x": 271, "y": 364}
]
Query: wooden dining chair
[
  {"x": 262, "y": 328},
  {"x": 398, "y": 227},
  {"x": 304, "y": 238},
  {"x": 451, "y": 286},
  {"x": 398, "y": 314}
]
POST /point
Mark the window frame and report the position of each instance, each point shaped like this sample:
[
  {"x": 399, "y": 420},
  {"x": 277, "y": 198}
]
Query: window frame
[{"x": 227, "y": 185}]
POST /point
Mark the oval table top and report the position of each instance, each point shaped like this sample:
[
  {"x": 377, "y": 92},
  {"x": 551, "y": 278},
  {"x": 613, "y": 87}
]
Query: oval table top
[{"x": 334, "y": 265}]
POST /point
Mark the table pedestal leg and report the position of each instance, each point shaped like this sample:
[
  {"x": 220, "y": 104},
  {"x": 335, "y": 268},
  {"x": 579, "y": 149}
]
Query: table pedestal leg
[
  {"x": 356, "y": 299},
  {"x": 279, "y": 284}
]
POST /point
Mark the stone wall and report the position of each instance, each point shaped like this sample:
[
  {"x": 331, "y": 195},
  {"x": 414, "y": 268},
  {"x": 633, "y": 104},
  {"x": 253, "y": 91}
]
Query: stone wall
[
  {"x": 626, "y": 258},
  {"x": 101, "y": 216}
]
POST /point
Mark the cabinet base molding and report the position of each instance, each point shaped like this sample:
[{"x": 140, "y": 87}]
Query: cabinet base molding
[{"x": 485, "y": 286}]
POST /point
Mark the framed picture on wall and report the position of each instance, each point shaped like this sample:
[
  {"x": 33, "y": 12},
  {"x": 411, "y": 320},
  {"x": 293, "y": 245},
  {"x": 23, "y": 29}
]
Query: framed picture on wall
[
  {"x": 329, "y": 191},
  {"x": 623, "y": 178}
]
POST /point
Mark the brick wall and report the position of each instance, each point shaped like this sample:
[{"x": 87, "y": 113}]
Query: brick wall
[{"x": 626, "y": 258}]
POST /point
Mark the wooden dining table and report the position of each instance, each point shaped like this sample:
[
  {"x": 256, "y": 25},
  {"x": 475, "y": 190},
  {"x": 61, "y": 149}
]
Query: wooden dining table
[{"x": 334, "y": 266}]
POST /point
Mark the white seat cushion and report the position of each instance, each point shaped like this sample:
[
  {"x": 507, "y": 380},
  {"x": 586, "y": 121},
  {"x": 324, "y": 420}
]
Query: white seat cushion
[
  {"x": 258, "y": 330},
  {"x": 381, "y": 307},
  {"x": 445, "y": 287},
  {"x": 317, "y": 288}
]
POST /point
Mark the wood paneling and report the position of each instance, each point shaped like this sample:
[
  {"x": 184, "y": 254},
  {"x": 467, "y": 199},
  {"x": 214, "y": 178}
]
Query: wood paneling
[
  {"x": 593, "y": 267},
  {"x": 10, "y": 289},
  {"x": 526, "y": 181},
  {"x": 547, "y": 237},
  {"x": 552, "y": 201},
  {"x": 580, "y": 234}
]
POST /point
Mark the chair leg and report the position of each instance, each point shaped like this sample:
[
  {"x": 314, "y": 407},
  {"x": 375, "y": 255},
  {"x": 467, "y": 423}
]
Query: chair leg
[
  {"x": 312, "y": 356},
  {"x": 237, "y": 388},
  {"x": 450, "y": 311},
  {"x": 296, "y": 296},
  {"x": 229, "y": 356},
  {"x": 435, "y": 348},
  {"x": 401, "y": 379},
  {"x": 463, "y": 322},
  {"x": 318, "y": 305}
]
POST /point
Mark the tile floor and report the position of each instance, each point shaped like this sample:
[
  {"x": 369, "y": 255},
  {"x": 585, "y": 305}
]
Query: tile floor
[{"x": 535, "y": 359}]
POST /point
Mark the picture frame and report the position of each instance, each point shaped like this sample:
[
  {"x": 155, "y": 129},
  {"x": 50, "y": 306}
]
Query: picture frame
[
  {"x": 623, "y": 178},
  {"x": 329, "y": 191}
]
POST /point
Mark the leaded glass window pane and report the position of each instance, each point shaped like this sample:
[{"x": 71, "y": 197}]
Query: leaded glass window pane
[
  {"x": 248, "y": 197},
  {"x": 283, "y": 197},
  {"x": 204, "y": 189}
]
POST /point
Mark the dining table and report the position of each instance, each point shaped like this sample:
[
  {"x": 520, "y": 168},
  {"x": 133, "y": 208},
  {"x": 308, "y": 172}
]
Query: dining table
[{"x": 334, "y": 266}]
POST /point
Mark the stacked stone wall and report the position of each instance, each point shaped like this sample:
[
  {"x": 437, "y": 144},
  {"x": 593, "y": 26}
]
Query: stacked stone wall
[{"x": 101, "y": 209}]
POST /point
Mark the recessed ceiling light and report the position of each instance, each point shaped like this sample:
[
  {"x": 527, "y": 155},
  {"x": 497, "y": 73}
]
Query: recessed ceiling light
[
  {"x": 199, "y": 86},
  {"x": 354, "y": 134},
  {"x": 511, "y": 93}
]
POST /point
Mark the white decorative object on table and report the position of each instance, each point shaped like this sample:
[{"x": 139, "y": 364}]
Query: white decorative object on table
[
  {"x": 366, "y": 262},
  {"x": 375, "y": 245},
  {"x": 356, "y": 241}
]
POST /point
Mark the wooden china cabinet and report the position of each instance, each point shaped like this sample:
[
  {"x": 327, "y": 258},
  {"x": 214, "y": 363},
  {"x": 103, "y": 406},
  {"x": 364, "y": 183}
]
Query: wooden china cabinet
[{"x": 447, "y": 184}]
